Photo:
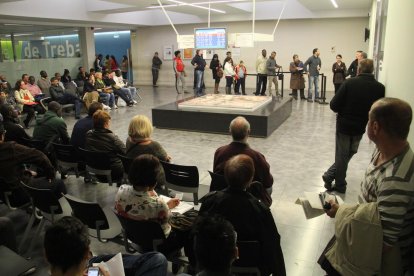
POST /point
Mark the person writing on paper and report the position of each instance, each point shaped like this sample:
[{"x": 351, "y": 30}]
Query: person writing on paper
[
  {"x": 139, "y": 201},
  {"x": 388, "y": 182},
  {"x": 67, "y": 250}
]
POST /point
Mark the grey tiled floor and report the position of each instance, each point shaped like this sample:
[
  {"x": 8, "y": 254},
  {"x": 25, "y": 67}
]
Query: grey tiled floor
[{"x": 298, "y": 153}]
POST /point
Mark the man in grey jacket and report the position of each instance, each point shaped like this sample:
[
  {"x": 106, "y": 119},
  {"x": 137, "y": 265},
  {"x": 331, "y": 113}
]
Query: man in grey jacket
[
  {"x": 314, "y": 63},
  {"x": 271, "y": 66}
]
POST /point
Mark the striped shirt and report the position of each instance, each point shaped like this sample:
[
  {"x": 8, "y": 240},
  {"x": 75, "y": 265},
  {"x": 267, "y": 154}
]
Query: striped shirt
[{"x": 391, "y": 184}]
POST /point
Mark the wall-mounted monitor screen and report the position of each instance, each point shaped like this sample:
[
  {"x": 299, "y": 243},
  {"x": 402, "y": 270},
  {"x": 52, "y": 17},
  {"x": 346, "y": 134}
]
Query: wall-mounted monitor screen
[{"x": 210, "y": 38}]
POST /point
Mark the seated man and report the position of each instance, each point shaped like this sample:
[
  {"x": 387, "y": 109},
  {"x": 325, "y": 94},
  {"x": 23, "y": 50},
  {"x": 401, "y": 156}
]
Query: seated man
[
  {"x": 82, "y": 126},
  {"x": 59, "y": 95},
  {"x": 122, "y": 92},
  {"x": 251, "y": 219},
  {"x": 66, "y": 246},
  {"x": 15, "y": 132},
  {"x": 44, "y": 82},
  {"x": 34, "y": 89},
  {"x": 240, "y": 130},
  {"x": 51, "y": 127},
  {"x": 12, "y": 158},
  {"x": 119, "y": 81}
]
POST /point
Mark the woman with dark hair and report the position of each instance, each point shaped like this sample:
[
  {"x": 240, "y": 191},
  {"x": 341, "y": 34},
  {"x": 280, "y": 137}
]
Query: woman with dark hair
[
  {"x": 66, "y": 78},
  {"x": 339, "y": 72},
  {"x": 124, "y": 67},
  {"x": 113, "y": 63},
  {"x": 217, "y": 71},
  {"x": 25, "y": 102},
  {"x": 297, "y": 82},
  {"x": 139, "y": 201}
]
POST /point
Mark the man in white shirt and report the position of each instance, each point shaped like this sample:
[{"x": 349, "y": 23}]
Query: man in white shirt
[
  {"x": 261, "y": 74},
  {"x": 119, "y": 81}
]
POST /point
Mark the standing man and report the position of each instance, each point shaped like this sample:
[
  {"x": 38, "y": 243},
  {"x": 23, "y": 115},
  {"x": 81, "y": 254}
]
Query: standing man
[
  {"x": 352, "y": 103},
  {"x": 156, "y": 66},
  {"x": 271, "y": 66},
  {"x": 261, "y": 74},
  {"x": 44, "y": 82},
  {"x": 389, "y": 181},
  {"x": 315, "y": 64},
  {"x": 352, "y": 70},
  {"x": 199, "y": 65},
  {"x": 179, "y": 71}
]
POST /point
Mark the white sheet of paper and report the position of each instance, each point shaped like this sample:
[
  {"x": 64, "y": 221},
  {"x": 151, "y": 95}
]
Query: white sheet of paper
[
  {"x": 181, "y": 208},
  {"x": 115, "y": 265}
]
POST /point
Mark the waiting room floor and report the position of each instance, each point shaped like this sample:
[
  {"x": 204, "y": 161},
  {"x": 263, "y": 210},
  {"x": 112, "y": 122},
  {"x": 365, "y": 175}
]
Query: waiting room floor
[{"x": 298, "y": 153}]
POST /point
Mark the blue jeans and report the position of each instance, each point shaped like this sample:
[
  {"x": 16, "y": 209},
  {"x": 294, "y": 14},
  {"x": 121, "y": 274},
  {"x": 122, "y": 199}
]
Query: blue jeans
[
  {"x": 199, "y": 84},
  {"x": 346, "y": 146},
  {"x": 151, "y": 263},
  {"x": 104, "y": 97},
  {"x": 313, "y": 81}
]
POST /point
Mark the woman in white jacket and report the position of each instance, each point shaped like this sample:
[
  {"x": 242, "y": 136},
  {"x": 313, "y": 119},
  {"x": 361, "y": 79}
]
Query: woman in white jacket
[{"x": 228, "y": 73}]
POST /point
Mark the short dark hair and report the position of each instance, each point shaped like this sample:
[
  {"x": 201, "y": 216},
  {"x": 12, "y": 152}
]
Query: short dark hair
[
  {"x": 239, "y": 171},
  {"x": 339, "y": 55},
  {"x": 95, "y": 106},
  {"x": 66, "y": 242},
  {"x": 394, "y": 116},
  {"x": 24, "y": 75},
  {"x": 53, "y": 79},
  {"x": 214, "y": 243},
  {"x": 177, "y": 52},
  {"x": 315, "y": 50},
  {"x": 54, "y": 106},
  {"x": 80, "y": 67},
  {"x": 144, "y": 171},
  {"x": 100, "y": 118},
  {"x": 43, "y": 73}
]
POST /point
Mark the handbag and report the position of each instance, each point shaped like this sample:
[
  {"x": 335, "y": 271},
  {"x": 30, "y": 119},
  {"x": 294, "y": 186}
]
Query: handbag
[
  {"x": 220, "y": 73},
  {"x": 280, "y": 76}
]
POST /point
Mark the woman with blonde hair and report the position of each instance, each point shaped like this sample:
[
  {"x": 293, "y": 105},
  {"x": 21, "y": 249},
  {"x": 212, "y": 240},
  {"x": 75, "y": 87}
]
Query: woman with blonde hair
[{"x": 139, "y": 142}]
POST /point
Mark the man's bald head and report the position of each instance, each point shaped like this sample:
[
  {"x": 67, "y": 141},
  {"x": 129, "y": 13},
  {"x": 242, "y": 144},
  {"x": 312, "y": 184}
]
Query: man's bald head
[{"x": 239, "y": 128}]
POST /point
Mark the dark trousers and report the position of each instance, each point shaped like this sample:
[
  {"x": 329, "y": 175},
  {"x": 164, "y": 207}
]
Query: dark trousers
[
  {"x": 154, "y": 76},
  {"x": 345, "y": 147},
  {"x": 241, "y": 82},
  {"x": 337, "y": 85},
  {"x": 71, "y": 99},
  {"x": 261, "y": 84},
  {"x": 295, "y": 93}
]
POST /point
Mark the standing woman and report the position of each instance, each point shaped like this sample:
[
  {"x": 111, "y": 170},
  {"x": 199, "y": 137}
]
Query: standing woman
[
  {"x": 297, "y": 81},
  {"x": 124, "y": 67},
  {"x": 114, "y": 63},
  {"x": 229, "y": 73},
  {"x": 217, "y": 71},
  {"x": 339, "y": 72}
]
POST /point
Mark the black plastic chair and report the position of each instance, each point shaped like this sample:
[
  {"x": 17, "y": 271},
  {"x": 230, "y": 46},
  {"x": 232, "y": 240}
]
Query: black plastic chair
[
  {"x": 66, "y": 157},
  {"x": 6, "y": 193},
  {"x": 102, "y": 222},
  {"x": 218, "y": 182},
  {"x": 45, "y": 102},
  {"x": 36, "y": 144},
  {"x": 147, "y": 236},
  {"x": 97, "y": 163},
  {"x": 249, "y": 258},
  {"x": 126, "y": 163},
  {"x": 50, "y": 207},
  {"x": 182, "y": 178}
]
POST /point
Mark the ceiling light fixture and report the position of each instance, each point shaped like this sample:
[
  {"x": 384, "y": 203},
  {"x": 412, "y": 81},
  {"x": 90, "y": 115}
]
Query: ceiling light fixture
[
  {"x": 19, "y": 35},
  {"x": 17, "y": 24},
  {"x": 334, "y": 4},
  {"x": 195, "y": 5}
]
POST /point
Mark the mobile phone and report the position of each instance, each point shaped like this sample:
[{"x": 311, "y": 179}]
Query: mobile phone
[{"x": 93, "y": 271}]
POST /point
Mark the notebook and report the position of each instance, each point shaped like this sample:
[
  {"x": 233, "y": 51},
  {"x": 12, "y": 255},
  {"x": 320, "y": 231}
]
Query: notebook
[{"x": 181, "y": 208}]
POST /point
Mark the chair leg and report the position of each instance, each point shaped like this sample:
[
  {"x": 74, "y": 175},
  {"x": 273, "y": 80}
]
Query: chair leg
[
  {"x": 26, "y": 231},
  {"x": 195, "y": 196}
]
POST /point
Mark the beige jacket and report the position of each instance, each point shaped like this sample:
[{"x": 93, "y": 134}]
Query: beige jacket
[{"x": 359, "y": 239}]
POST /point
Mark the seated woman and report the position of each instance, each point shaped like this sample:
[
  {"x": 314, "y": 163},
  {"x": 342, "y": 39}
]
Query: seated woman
[
  {"x": 139, "y": 201},
  {"x": 26, "y": 102},
  {"x": 103, "y": 90},
  {"x": 90, "y": 94},
  {"x": 101, "y": 138},
  {"x": 139, "y": 142}
]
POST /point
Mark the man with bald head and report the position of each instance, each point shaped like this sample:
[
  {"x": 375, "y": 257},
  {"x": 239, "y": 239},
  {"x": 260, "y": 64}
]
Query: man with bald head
[{"x": 240, "y": 130}]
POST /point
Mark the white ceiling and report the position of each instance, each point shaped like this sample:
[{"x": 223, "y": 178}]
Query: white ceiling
[{"x": 130, "y": 14}]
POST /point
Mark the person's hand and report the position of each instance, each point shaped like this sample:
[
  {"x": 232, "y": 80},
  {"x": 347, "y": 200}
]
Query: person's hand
[
  {"x": 173, "y": 202},
  {"x": 103, "y": 270},
  {"x": 168, "y": 158},
  {"x": 334, "y": 208}
]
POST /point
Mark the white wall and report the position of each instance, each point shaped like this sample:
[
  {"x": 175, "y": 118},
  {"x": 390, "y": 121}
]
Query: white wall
[
  {"x": 398, "y": 74},
  {"x": 292, "y": 37}
]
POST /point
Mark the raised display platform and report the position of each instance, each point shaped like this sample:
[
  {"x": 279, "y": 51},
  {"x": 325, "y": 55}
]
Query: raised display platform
[{"x": 265, "y": 114}]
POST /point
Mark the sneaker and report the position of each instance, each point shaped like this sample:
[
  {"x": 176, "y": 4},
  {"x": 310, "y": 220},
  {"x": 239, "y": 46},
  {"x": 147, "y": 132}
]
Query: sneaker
[
  {"x": 115, "y": 106},
  {"x": 135, "y": 102},
  {"x": 310, "y": 101},
  {"x": 105, "y": 107}
]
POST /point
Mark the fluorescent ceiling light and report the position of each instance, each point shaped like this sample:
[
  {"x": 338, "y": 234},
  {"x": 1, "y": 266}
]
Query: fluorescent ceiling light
[
  {"x": 16, "y": 24},
  {"x": 165, "y": 6},
  {"x": 334, "y": 4},
  {"x": 19, "y": 35}
]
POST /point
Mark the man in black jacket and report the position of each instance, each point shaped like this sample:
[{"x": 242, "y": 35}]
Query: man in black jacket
[
  {"x": 251, "y": 219},
  {"x": 352, "y": 103},
  {"x": 62, "y": 97},
  {"x": 15, "y": 132},
  {"x": 353, "y": 68},
  {"x": 199, "y": 65}
]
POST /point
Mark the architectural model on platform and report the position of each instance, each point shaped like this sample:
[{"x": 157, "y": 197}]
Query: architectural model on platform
[{"x": 220, "y": 102}]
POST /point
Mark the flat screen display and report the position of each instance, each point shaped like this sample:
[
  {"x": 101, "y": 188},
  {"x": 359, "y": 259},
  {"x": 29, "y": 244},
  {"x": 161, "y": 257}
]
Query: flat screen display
[{"x": 210, "y": 38}]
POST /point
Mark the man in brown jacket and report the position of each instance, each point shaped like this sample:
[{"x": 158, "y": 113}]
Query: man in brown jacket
[{"x": 240, "y": 130}]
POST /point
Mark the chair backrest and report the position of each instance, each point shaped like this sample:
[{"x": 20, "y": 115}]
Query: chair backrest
[
  {"x": 44, "y": 199},
  {"x": 218, "y": 182},
  {"x": 142, "y": 233},
  {"x": 96, "y": 159},
  {"x": 249, "y": 258},
  {"x": 179, "y": 175},
  {"x": 126, "y": 162},
  {"x": 90, "y": 213},
  {"x": 65, "y": 153}
]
